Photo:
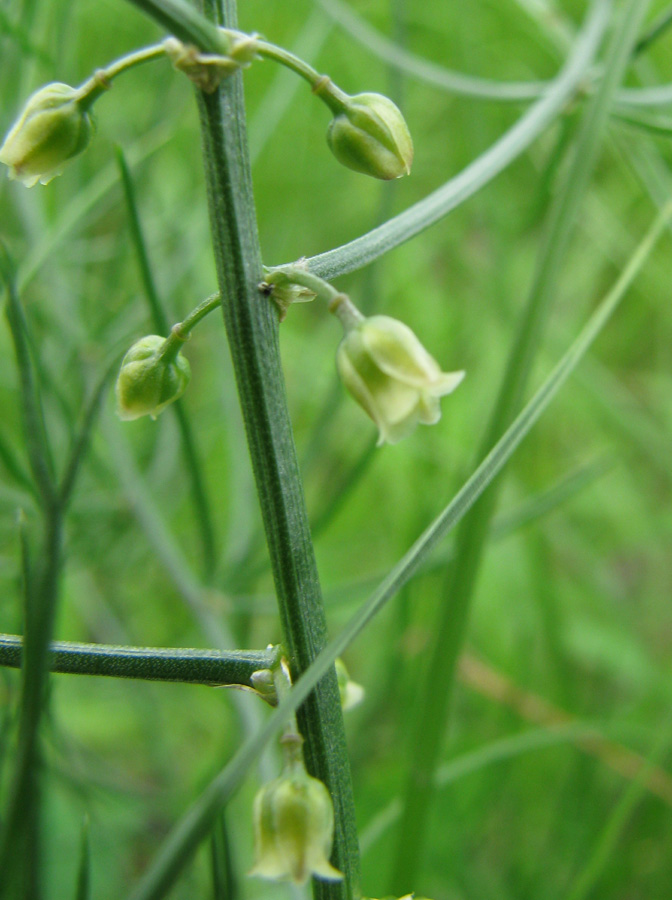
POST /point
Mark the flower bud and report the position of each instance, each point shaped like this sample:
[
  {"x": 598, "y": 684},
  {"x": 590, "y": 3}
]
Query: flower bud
[
  {"x": 294, "y": 829},
  {"x": 371, "y": 136},
  {"x": 263, "y": 683},
  {"x": 392, "y": 376},
  {"x": 148, "y": 380},
  {"x": 51, "y": 130},
  {"x": 350, "y": 692}
]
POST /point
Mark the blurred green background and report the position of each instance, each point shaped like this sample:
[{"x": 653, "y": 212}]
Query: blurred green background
[{"x": 573, "y": 602}]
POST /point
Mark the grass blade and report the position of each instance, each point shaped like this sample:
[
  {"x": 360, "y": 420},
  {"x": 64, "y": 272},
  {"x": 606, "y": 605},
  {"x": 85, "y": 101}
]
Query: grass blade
[
  {"x": 607, "y": 841},
  {"x": 224, "y": 882}
]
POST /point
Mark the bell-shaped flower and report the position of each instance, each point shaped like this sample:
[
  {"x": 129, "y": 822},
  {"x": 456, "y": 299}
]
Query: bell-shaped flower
[
  {"x": 294, "y": 829},
  {"x": 370, "y": 135},
  {"x": 150, "y": 378},
  {"x": 53, "y": 127},
  {"x": 392, "y": 376}
]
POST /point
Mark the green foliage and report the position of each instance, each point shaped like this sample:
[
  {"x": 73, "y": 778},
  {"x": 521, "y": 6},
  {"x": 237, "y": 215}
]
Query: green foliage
[{"x": 565, "y": 675}]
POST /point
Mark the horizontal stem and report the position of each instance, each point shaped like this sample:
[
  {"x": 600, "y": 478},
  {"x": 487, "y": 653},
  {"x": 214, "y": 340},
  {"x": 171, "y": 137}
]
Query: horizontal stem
[{"x": 176, "y": 664}]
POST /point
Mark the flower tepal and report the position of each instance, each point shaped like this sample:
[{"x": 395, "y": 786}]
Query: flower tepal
[
  {"x": 53, "y": 128},
  {"x": 392, "y": 376}
]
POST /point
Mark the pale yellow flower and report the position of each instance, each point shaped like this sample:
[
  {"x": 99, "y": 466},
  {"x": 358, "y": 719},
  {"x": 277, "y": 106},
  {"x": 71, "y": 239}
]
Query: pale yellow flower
[{"x": 392, "y": 376}]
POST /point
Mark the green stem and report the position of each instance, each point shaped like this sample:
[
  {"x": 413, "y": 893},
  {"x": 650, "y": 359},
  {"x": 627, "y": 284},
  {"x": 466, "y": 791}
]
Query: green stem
[
  {"x": 252, "y": 330},
  {"x": 206, "y": 306},
  {"x": 175, "y": 664},
  {"x": 20, "y": 835},
  {"x": 321, "y": 85},
  {"x": 655, "y": 32},
  {"x": 20, "y": 840},
  {"x": 99, "y": 82},
  {"x": 179, "y": 333}
]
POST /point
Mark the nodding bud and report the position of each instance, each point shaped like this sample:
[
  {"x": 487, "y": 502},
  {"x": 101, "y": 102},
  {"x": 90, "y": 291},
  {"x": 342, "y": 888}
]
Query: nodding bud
[
  {"x": 392, "y": 376},
  {"x": 370, "y": 135},
  {"x": 149, "y": 380},
  {"x": 294, "y": 829},
  {"x": 52, "y": 128}
]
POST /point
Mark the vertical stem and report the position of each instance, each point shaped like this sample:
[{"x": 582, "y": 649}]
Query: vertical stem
[
  {"x": 252, "y": 330},
  {"x": 20, "y": 835}
]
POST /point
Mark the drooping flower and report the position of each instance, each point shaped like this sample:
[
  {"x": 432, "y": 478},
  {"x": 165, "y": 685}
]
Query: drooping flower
[
  {"x": 52, "y": 129},
  {"x": 149, "y": 380},
  {"x": 294, "y": 829},
  {"x": 392, "y": 376},
  {"x": 371, "y": 136}
]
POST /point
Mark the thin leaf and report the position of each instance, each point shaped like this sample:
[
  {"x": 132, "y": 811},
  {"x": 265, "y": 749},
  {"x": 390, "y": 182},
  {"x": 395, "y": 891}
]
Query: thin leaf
[
  {"x": 482, "y": 170},
  {"x": 83, "y": 885},
  {"x": 607, "y": 841},
  {"x": 224, "y": 882},
  {"x": 81, "y": 442},
  {"x": 424, "y": 70},
  {"x": 36, "y": 440}
]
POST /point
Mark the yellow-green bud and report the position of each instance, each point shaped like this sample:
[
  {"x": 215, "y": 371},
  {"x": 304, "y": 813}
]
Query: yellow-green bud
[
  {"x": 294, "y": 829},
  {"x": 371, "y": 136},
  {"x": 52, "y": 128},
  {"x": 392, "y": 376},
  {"x": 147, "y": 381}
]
